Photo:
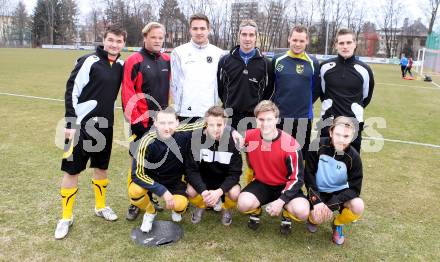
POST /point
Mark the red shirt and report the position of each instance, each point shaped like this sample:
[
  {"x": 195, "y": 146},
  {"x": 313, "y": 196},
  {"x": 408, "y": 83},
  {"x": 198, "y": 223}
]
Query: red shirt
[{"x": 276, "y": 162}]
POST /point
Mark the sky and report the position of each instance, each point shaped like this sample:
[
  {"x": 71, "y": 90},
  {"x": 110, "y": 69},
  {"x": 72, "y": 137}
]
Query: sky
[{"x": 412, "y": 10}]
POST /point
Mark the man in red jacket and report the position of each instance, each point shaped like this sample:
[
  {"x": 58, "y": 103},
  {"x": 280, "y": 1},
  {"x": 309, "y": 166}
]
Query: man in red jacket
[
  {"x": 145, "y": 90},
  {"x": 276, "y": 160}
]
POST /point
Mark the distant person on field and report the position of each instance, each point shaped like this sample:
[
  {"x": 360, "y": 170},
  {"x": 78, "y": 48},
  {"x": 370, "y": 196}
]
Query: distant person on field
[
  {"x": 403, "y": 65},
  {"x": 91, "y": 91},
  {"x": 409, "y": 66},
  {"x": 333, "y": 178}
]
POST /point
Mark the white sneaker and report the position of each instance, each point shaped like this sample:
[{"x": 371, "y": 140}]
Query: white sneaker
[
  {"x": 176, "y": 217},
  {"x": 147, "y": 222},
  {"x": 62, "y": 229},
  {"x": 218, "y": 206},
  {"x": 106, "y": 213}
]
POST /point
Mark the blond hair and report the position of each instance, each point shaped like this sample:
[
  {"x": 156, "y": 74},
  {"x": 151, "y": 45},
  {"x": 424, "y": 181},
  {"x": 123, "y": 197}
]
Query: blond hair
[
  {"x": 266, "y": 106},
  {"x": 150, "y": 26},
  {"x": 248, "y": 22}
]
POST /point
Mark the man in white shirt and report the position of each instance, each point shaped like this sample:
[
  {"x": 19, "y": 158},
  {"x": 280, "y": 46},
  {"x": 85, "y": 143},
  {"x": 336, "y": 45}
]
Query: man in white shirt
[{"x": 194, "y": 72}]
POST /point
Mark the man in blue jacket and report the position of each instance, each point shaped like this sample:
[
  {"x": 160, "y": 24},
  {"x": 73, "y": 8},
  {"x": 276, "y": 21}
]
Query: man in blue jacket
[{"x": 296, "y": 87}]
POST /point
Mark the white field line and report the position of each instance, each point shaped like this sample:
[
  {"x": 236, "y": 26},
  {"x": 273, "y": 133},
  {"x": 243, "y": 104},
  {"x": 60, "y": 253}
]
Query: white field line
[
  {"x": 39, "y": 97},
  {"x": 120, "y": 142},
  {"x": 423, "y": 87},
  {"x": 401, "y": 141},
  {"x": 437, "y": 85}
]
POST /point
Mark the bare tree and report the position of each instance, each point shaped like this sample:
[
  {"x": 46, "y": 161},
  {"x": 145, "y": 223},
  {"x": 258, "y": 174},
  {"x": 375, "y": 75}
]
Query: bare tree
[
  {"x": 5, "y": 17},
  {"x": 336, "y": 20},
  {"x": 390, "y": 17},
  {"x": 433, "y": 6},
  {"x": 273, "y": 21},
  {"x": 20, "y": 20}
]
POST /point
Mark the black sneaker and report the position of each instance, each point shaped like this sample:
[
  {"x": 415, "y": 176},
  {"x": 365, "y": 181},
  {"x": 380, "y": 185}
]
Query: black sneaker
[
  {"x": 156, "y": 204},
  {"x": 285, "y": 226},
  {"x": 132, "y": 213},
  {"x": 254, "y": 222}
]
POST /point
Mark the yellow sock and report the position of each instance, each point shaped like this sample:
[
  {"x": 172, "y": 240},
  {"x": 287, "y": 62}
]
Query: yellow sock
[
  {"x": 256, "y": 211},
  {"x": 129, "y": 177},
  {"x": 198, "y": 201},
  {"x": 139, "y": 197},
  {"x": 149, "y": 207},
  {"x": 311, "y": 221},
  {"x": 67, "y": 200},
  {"x": 248, "y": 175},
  {"x": 346, "y": 217},
  {"x": 229, "y": 203},
  {"x": 100, "y": 188},
  {"x": 287, "y": 214},
  {"x": 180, "y": 203}
]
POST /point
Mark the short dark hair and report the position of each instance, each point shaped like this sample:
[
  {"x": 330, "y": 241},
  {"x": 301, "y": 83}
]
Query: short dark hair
[
  {"x": 199, "y": 16},
  {"x": 216, "y": 111},
  {"x": 116, "y": 30},
  {"x": 299, "y": 29},
  {"x": 345, "y": 31}
]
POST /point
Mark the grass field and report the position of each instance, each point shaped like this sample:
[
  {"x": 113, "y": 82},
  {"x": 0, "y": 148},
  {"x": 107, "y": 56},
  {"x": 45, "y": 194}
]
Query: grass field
[{"x": 401, "y": 185}]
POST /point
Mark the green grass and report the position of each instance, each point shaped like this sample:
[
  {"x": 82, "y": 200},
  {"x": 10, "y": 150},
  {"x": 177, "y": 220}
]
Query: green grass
[{"x": 401, "y": 185}]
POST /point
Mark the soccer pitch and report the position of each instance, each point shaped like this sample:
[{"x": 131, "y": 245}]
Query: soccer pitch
[{"x": 401, "y": 186}]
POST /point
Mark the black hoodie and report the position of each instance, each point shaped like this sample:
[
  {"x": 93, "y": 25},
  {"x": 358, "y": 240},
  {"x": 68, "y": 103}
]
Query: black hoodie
[{"x": 240, "y": 86}]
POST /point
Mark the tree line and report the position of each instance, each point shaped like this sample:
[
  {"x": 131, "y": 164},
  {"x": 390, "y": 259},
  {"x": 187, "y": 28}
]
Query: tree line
[{"x": 57, "y": 21}]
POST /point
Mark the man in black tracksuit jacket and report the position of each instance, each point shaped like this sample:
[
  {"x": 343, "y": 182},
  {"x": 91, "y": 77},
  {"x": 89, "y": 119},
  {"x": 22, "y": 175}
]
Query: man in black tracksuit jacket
[
  {"x": 213, "y": 167},
  {"x": 346, "y": 84},
  {"x": 244, "y": 76},
  {"x": 91, "y": 91}
]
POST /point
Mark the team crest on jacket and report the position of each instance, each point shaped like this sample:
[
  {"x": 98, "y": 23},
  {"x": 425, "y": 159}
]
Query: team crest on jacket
[
  {"x": 280, "y": 67},
  {"x": 209, "y": 59},
  {"x": 300, "y": 69}
]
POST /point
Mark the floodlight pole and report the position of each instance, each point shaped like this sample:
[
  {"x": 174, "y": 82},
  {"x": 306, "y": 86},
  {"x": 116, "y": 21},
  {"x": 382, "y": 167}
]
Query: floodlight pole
[
  {"x": 423, "y": 60},
  {"x": 326, "y": 37}
]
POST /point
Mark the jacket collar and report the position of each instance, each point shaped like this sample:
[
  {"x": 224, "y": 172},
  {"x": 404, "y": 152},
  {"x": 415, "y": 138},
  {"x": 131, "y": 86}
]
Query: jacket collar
[
  {"x": 149, "y": 53},
  {"x": 235, "y": 51},
  {"x": 102, "y": 53},
  {"x": 348, "y": 60},
  {"x": 199, "y": 46}
]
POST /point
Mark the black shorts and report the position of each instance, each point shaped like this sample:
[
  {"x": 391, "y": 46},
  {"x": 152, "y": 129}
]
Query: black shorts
[
  {"x": 178, "y": 188},
  {"x": 94, "y": 144},
  {"x": 267, "y": 193},
  {"x": 213, "y": 185},
  {"x": 325, "y": 197},
  {"x": 300, "y": 129}
]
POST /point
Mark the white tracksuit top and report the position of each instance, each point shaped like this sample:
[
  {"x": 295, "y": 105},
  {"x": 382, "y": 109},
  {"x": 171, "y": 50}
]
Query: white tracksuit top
[{"x": 194, "y": 78}]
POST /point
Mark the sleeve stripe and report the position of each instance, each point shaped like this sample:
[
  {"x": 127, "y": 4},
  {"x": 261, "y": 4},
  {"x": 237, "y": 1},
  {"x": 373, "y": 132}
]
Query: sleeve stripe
[
  {"x": 81, "y": 80},
  {"x": 145, "y": 141},
  {"x": 191, "y": 127},
  {"x": 296, "y": 171}
]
